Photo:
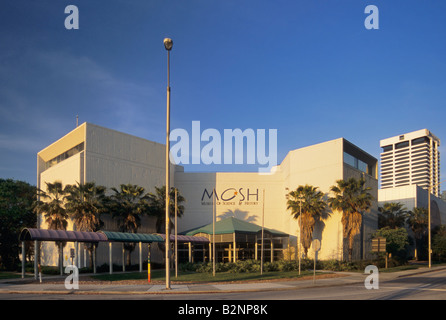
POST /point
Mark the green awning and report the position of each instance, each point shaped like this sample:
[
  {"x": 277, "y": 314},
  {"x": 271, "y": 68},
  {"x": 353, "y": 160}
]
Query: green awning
[
  {"x": 233, "y": 225},
  {"x": 131, "y": 237}
]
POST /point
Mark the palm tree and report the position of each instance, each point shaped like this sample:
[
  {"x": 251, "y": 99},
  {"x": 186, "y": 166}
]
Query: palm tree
[
  {"x": 392, "y": 214},
  {"x": 85, "y": 203},
  {"x": 53, "y": 206},
  {"x": 313, "y": 211},
  {"x": 417, "y": 221},
  {"x": 352, "y": 198},
  {"x": 127, "y": 206},
  {"x": 54, "y": 211},
  {"x": 158, "y": 207}
]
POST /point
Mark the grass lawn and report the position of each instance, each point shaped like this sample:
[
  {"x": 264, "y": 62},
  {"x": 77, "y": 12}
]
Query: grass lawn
[
  {"x": 11, "y": 275},
  {"x": 159, "y": 275}
]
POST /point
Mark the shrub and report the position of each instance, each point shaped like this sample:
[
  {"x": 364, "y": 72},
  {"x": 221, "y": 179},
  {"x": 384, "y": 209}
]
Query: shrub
[
  {"x": 397, "y": 241},
  {"x": 439, "y": 243},
  {"x": 246, "y": 266}
]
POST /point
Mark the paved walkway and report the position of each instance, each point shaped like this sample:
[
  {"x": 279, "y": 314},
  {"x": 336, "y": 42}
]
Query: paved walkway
[{"x": 56, "y": 285}]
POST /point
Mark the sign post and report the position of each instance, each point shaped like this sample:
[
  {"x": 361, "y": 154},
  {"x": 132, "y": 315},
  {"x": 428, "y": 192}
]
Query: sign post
[
  {"x": 148, "y": 265},
  {"x": 72, "y": 255},
  {"x": 379, "y": 246}
]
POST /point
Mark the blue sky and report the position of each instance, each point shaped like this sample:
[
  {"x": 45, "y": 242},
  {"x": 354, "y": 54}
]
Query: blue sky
[{"x": 308, "y": 68}]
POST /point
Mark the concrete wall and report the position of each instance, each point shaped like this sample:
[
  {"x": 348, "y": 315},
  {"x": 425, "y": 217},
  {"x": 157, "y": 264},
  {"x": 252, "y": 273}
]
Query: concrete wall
[
  {"x": 110, "y": 158},
  {"x": 114, "y": 158}
]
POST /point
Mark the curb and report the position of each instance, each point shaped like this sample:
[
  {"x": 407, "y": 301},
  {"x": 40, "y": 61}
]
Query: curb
[{"x": 355, "y": 280}]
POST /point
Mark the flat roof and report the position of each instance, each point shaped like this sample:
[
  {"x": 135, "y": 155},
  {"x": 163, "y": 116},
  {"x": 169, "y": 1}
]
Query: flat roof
[{"x": 407, "y": 136}]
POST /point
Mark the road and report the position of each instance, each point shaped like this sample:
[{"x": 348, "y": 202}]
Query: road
[{"x": 425, "y": 286}]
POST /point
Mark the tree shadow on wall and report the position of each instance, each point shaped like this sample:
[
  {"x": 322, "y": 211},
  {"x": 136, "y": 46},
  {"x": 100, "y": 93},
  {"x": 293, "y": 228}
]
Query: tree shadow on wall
[{"x": 238, "y": 214}]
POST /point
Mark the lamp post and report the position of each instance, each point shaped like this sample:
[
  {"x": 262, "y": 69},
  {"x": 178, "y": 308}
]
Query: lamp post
[
  {"x": 429, "y": 221},
  {"x": 176, "y": 233},
  {"x": 214, "y": 213},
  {"x": 263, "y": 227},
  {"x": 168, "y": 43}
]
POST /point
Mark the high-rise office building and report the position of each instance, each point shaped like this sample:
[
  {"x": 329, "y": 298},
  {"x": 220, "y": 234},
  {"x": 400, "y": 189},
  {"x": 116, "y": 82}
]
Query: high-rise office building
[{"x": 411, "y": 158}]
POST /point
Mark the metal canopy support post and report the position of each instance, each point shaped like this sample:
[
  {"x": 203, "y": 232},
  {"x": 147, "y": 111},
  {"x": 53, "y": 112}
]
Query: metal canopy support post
[
  {"x": 210, "y": 251},
  {"x": 36, "y": 258},
  {"x": 235, "y": 248},
  {"x": 190, "y": 251},
  {"x": 204, "y": 252},
  {"x": 123, "y": 258},
  {"x": 61, "y": 258},
  {"x": 110, "y": 257},
  {"x": 23, "y": 259},
  {"x": 256, "y": 247},
  {"x": 76, "y": 256},
  {"x": 272, "y": 249},
  {"x": 230, "y": 253},
  {"x": 94, "y": 258},
  {"x": 85, "y": 257},
  {"x": 140, "y": 256}
]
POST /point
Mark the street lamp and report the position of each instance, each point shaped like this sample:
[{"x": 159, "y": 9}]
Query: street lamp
[
  {"x": 429, "y": 219},
  {"x": 168, "y": 43}
]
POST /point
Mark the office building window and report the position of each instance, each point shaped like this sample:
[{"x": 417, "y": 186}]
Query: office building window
[
  {"x": 401, "y": 145},
  {"x": 420, "y": 140}
]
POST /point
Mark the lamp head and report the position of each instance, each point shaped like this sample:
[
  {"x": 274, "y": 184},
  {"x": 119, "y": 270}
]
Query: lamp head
[{"x": 168, "y": 43}]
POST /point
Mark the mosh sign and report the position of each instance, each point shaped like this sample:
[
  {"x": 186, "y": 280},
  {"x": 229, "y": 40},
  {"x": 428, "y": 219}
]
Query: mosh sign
[{"x": 231, "y": 196}]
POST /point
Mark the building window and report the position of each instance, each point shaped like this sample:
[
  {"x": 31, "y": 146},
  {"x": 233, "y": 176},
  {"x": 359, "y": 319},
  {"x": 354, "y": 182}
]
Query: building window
[
  {"x": 65, "y": 155},
  {"x": 350, "y": 160},
  {"x": 387, "y": 148},
  {"x": 402, "y": 145},
  {"x": 357, "y": 164},
  {"x": 420, "y": 140}
]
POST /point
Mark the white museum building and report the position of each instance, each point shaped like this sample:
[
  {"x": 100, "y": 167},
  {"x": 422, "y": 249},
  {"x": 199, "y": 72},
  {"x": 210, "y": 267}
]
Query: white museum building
[{"x": 91, "y": 153}]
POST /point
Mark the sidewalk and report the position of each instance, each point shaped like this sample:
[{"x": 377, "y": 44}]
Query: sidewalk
[{"x": 55, "y": 285}]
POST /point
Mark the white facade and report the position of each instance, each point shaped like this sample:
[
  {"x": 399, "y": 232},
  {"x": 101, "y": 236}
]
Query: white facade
[
  {"x": 241, "y": 194},
  {"x": 409, "y": 159},
  {"x": 110, "y": 158}
]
